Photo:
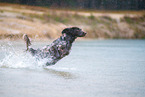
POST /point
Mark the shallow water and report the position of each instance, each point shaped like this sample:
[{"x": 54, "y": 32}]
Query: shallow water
[{"x": 94, "y": 68}]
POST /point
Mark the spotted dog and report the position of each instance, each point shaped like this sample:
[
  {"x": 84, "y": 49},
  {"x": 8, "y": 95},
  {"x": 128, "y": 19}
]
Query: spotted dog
[{"x": 59, "y": 48}]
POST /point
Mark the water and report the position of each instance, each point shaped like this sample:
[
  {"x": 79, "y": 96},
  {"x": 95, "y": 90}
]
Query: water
[{"x": 94, "y": 68}]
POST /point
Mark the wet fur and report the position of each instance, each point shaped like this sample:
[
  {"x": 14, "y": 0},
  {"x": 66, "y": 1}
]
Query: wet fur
[{"x": 59, "y": 48}]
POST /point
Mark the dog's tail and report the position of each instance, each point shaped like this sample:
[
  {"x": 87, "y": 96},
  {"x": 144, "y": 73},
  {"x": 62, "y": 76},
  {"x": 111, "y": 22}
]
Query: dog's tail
[{"x": 27, "y": 40}]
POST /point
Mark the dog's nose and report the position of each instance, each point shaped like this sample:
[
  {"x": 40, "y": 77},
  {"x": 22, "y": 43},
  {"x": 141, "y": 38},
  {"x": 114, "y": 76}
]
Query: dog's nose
[{"x": 85, "y": 33}]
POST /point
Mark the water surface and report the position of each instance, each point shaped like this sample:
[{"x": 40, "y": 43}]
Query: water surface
[{"x": 94, "y": 68}]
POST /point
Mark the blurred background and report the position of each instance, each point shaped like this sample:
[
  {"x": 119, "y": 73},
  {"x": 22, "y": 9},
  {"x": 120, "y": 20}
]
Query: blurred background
[{"x": 45, "y": 19}]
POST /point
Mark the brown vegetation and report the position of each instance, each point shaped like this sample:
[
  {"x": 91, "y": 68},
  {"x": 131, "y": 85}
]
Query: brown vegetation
[{"x": 38, "y": 22}]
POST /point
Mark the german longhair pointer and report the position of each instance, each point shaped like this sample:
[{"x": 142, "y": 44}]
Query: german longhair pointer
[{"x": 59, "y": 48}]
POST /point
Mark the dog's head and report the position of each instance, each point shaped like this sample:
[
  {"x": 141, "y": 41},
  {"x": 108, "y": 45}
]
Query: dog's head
[{"x": 74, "y": 32}]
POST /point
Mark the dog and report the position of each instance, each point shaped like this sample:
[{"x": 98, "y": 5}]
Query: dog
[{"x": 59, "y": 48}]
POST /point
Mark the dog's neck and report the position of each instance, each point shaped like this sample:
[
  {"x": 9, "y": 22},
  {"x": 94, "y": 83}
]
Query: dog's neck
[{"x": 68, "y": 38}]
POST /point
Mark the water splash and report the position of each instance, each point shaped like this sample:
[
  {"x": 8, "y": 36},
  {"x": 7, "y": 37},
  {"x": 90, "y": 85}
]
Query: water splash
[{"x": 15, "y": 58}]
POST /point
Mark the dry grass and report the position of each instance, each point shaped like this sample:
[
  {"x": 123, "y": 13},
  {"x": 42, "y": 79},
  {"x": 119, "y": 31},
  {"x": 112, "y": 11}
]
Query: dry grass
[{"x": 39, "y": 22}]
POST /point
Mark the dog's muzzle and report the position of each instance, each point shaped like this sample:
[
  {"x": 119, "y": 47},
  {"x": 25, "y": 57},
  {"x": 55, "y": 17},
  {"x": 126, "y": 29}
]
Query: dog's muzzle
[{"x": 82, "y": 34}]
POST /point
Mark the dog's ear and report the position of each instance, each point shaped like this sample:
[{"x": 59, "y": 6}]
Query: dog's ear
[{"x": 66, "y": 31}]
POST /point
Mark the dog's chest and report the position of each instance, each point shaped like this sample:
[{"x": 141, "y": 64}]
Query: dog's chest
[{"x": 62, "y": 45}]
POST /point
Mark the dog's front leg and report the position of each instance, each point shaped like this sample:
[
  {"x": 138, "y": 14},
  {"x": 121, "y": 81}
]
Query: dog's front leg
[
  {"x": 63, "y": 51},
  {"x": 66, "y": 49},
  {"x": 55, "y": 52}
]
